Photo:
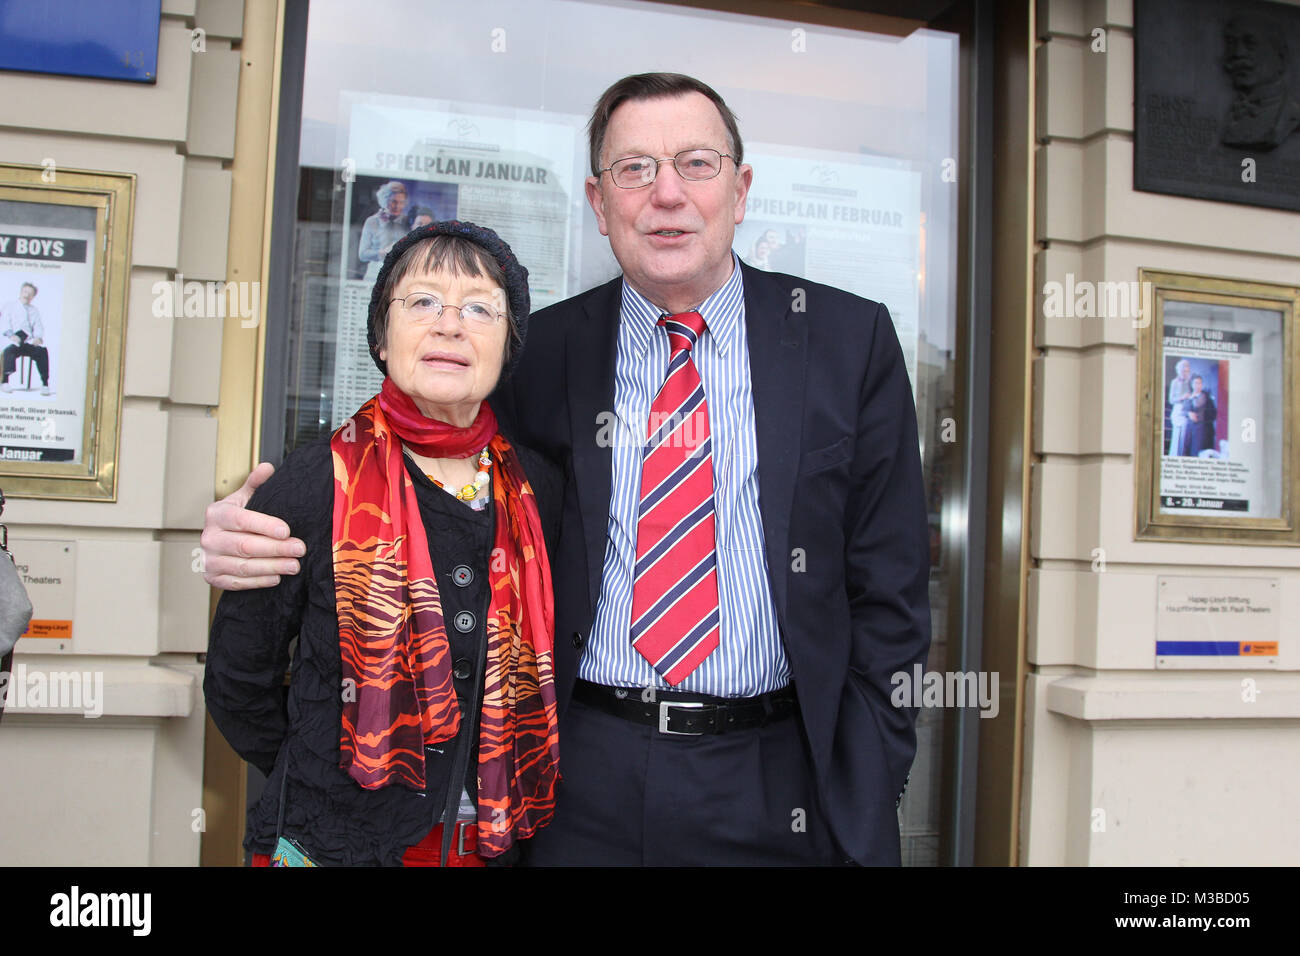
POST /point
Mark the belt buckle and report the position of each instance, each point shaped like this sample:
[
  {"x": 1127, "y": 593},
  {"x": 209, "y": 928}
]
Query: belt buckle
[
  {"x": 663, "y": 717},
  {"x": 460, "y": 838}
]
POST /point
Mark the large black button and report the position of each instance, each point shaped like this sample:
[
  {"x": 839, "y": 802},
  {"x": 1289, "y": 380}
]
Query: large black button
[
  {"x": 462, "y": 574},
  {"x": 464, "y": 622},
  {"x": 578, "y": 640},
  {"x": 461, "y": 668}
]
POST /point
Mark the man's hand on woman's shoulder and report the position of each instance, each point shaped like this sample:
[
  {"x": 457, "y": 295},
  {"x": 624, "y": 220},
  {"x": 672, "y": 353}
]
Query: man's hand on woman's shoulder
[{"x": 245, "y": 549}]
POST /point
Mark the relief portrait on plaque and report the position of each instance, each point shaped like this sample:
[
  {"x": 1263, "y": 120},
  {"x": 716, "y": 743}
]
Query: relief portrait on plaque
[
  {"x": 1217, "y": 104},
  {"x": 1265, "y": 109}
]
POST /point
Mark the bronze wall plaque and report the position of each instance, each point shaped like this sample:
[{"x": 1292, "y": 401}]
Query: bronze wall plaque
[{"x": 1217, "y": 106}]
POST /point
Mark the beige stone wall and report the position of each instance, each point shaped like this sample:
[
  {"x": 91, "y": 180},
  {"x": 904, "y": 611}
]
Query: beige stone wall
[
  {"x": 1184, "y": 770},
  {"x": 123, "y": 788}
]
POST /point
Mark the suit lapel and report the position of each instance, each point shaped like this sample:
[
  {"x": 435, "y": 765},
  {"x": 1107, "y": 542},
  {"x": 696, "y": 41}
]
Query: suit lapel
[
  {"x": 778, "y": 339},
  {"x": 592, "y": 347}
]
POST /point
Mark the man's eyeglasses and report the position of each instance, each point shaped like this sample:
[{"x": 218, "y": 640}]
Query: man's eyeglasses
[
  {"x": 693, "y": 165},
  {"x": 427, "y": 307}
]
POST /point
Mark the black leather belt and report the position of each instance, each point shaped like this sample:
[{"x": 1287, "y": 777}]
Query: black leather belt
[{"x": 673, "y": 713}]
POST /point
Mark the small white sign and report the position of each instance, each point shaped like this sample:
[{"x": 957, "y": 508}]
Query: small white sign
[
  {"x": 1217, "y": 623},
  {"x": 47, "y": 568}
]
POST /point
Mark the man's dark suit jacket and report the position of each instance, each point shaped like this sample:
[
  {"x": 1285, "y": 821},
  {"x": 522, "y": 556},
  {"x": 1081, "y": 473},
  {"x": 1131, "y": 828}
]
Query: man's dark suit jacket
[{"x": 842, "y": 504}]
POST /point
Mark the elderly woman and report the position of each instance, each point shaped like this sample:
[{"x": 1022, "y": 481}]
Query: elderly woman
[
  {"x": 383, "y": 228},
  {"x": 420, "y": 723}
]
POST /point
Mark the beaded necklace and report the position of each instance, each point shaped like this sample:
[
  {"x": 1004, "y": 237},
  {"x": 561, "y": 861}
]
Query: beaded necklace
[{"x": 471, "y": 491}]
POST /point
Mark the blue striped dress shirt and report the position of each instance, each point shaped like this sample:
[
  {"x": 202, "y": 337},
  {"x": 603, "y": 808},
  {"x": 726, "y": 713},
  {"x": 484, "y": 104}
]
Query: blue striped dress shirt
[{"x": 750, "y": 658}]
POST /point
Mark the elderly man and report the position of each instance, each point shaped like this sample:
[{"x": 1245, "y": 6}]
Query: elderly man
[
  {"x": 1264, "y": 109},
  {"x": 26, "y": 336},
  {"x": 1180, "y": 387},
  {"x": 743, "y": 562}
]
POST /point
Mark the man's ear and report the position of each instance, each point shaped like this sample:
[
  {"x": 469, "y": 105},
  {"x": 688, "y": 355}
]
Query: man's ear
[
  {"x": 596, "y": 199},
  {"x": 744, "y": 177}
]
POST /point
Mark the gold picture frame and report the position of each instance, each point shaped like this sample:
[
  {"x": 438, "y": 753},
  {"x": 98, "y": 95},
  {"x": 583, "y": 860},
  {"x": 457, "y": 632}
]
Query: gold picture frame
[
  {"x": 1216, "y": 460},
  {"x": 65, "y": 251}
]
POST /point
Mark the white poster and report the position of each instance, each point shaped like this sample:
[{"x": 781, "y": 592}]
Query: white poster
[
  {"x": 853, "y": 222},
  {"x": 412, "y": 162},
  {"x": 46, "y": 282},
  {"x": 1222, "y": 449}
]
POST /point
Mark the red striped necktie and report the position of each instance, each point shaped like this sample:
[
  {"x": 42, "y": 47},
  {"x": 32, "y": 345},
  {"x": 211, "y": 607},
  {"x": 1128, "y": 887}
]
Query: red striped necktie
[{"x": 675, "y": 583}]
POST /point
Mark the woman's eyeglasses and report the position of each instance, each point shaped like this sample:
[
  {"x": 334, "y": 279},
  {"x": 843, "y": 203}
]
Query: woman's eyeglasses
[{"x": 427, "y": 307}]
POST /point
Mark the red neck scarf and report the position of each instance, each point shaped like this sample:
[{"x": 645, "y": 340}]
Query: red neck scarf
[
  {"x": 398, "y": 693},
  {"x": 428, "y": 436}
]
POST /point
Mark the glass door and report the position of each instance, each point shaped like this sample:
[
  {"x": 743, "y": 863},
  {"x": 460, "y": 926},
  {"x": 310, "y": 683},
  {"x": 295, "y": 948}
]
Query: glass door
[{"x": 407, "y": 109}]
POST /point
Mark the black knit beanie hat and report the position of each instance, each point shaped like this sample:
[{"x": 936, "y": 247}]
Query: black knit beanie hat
[{"x": 516, "y": 279}]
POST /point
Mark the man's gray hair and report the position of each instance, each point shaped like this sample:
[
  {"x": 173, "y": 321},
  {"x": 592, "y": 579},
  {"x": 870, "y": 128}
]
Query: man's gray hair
[
  {"x": 650, "y": 86},
  {"x": 386, "y": 191}
]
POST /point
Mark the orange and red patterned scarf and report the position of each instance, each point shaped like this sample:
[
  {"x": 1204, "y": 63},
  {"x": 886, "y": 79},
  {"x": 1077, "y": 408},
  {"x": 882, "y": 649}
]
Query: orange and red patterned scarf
[{"x": 397, "y": 674}]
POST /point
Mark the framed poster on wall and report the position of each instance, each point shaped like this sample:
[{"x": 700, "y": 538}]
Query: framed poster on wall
[
  {"x": 65, "y": 239},
  {"x": 1216, "y": 453},
  {"x": 409, "y": 161}
]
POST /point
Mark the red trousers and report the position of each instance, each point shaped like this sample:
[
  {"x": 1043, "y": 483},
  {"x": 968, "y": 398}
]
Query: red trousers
[{"x": 428, "y": 852}]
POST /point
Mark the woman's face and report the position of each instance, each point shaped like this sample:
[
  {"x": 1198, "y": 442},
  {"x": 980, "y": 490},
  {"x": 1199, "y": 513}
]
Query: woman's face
[
  {"x": 396, "y": 202},
  {"x": 447, "y": 365},
  {"x": 422, "y": 221}
]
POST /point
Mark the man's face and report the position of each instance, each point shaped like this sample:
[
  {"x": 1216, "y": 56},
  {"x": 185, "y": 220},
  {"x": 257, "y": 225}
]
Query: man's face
[
  {"x": 1250, "y": 57},
  {"x": 673, "y": 237},
  {"x": 396, "y": 202},
  {"x": 1184, "y": 371},
  {"x": 27, "y": 293}
]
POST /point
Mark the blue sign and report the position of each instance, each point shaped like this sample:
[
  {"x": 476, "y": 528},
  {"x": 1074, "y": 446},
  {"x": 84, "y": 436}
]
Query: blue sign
[
  {"x": 109, "y": 39},
  {"x": 1203, "y": 648}
]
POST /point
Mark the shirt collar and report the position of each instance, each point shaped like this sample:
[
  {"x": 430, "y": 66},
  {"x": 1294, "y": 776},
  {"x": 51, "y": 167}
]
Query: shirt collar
[{"x": 722, "y": 312}]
